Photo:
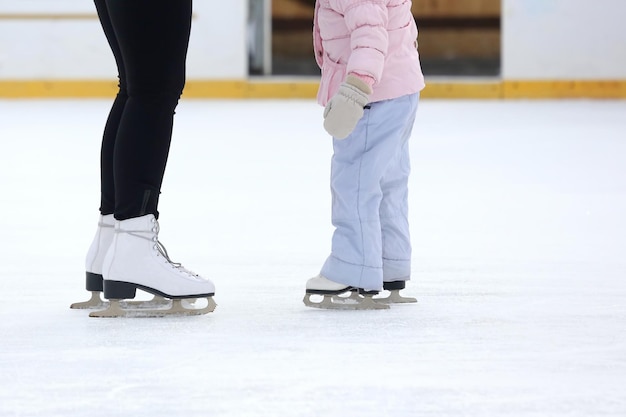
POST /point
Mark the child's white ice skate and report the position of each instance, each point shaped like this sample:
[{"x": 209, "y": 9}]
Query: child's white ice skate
[
  {"x": 137, "y": 260},
  {"x": 331, "y": 292}
]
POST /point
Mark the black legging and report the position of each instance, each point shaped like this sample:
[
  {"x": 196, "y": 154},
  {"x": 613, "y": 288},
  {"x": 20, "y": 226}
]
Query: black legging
[{"x": 149, "y": 39}]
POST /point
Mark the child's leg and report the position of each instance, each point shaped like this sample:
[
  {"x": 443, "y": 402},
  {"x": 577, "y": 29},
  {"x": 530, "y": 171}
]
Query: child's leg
[
  {"x": 356, "y": 244},
  {"x": 358, "y": 165},
  {"x": 394, "y": 221}
]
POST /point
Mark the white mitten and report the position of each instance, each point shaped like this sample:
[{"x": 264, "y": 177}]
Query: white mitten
[{"x": 345, "y": 109}]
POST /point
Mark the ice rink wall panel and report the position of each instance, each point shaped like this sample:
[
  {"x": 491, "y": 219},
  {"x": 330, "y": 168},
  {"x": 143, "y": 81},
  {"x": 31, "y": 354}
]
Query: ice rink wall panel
[{"x": 550, "y": 49}]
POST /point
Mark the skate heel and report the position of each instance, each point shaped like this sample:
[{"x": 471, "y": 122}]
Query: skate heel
[
  {"x": 394, "y": 297},
  {"x": 93, "y": 281},
  {"x": 118, "y": 290}
]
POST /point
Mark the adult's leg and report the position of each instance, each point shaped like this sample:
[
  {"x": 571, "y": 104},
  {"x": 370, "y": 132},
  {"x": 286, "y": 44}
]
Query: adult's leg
[
  {"x": 104, "y": 232},
  {"x": 153, "y": 36},
  {"x": 107, "y": 185}
]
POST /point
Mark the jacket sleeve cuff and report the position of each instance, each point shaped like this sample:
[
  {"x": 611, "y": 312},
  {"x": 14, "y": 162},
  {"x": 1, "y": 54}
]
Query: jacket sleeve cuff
[{"x": 354, "y": 78}]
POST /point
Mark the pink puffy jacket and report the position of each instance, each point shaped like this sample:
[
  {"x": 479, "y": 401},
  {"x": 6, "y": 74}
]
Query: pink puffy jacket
[{"x": 376, "y": 38}]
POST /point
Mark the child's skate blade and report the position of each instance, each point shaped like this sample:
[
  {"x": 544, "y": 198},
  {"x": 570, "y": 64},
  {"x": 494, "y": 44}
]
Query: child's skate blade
[
  {"x": 395, "y": 297},
  {"x": 328, "y": 303},
  {"x": 353, "y": 298}
]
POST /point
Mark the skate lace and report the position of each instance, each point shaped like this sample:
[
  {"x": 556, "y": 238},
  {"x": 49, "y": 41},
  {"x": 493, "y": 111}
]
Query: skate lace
[
  {"x": 161, "y": 248},
  {"x": 158, "y": 246}
]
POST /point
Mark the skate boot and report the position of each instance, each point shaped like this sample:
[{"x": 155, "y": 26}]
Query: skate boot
[
  {"x": 330, "y": 291},
  {"x": 137, "y": 260},
  {"x": 394, "y": 297},
  {"x": 93, "y": 267},
  {"x": 93, "y": 263}
]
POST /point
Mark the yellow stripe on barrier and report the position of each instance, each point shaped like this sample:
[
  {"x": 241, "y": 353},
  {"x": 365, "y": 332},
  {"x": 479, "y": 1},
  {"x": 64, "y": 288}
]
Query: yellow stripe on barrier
[
  {"x": 307, "y": 89},
  {"x": 48, "y": 16},
  {"x": 565, "y": 89},
  {"x": 463, "y": 90},
  {"x": 57, "y": 89}
]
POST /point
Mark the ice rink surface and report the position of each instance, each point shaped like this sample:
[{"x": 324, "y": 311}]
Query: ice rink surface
[{"x": 518, "y": 217}]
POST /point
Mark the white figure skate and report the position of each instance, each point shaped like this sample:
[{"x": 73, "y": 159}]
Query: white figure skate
[
  {"x": 93, "y": 263},
  {"x": 137, "y": 260},
  {"x": 93, "y": 267}
]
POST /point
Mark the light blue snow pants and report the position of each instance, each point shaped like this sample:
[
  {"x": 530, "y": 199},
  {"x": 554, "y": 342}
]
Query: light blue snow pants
[{"x": 369, "y": 185}]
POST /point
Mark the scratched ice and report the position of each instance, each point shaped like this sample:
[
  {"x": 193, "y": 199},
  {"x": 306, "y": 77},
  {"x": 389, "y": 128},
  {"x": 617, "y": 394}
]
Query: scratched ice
[{"x": 519, "y": 231}]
